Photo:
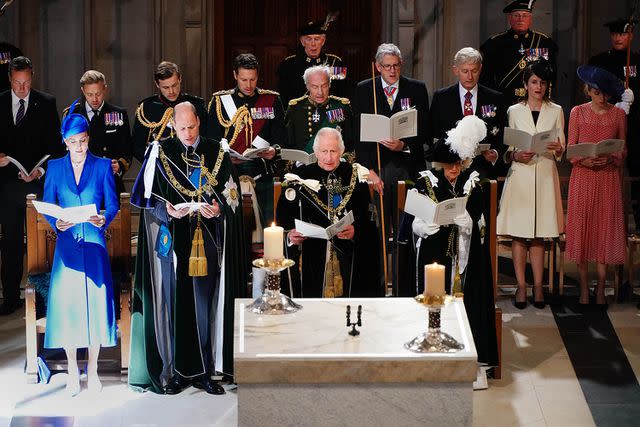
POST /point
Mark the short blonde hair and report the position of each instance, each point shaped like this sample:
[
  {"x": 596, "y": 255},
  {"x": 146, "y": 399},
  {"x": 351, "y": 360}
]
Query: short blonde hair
[{"x": 91, "y": 77}]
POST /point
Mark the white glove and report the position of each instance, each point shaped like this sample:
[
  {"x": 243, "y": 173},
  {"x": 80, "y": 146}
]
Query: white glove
[
  {"x": 624, "y": 106},
  {"x": 464, "y": 222},
  {"x": 627, "y": 96},
  {"x": 424, "y": 230}
]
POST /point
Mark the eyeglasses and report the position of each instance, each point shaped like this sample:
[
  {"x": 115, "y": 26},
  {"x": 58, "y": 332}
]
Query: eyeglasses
[
  {"x": 387, "y": 67},
  {"x": 82, "y": 140}
]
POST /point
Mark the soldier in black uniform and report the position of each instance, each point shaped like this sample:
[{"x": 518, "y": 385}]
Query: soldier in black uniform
[
  {"x": 312, "y": 39},
  {"x": 309, "y": 113},
  {"x": 152, "y": 121},
  {"x": 507, "y": 54},
  {"x": 614, "y": 60},
  {"x": 244, "y": 115},
  {"x": 7, "y": 53},
  {"x": 110, "y": 134}
]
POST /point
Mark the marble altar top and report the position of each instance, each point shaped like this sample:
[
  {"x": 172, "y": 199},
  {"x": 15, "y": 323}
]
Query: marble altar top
[{"x": 313, "y": 345}]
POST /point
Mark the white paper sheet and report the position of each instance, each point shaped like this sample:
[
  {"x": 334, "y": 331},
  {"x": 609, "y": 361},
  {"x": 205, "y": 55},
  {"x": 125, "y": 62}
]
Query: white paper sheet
[
  {"x": 75, "y": 215},
  {"x": 317, "y": 232}
]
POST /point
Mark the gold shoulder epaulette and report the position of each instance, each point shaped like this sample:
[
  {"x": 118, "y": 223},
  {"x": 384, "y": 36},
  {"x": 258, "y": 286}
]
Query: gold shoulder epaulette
[
  {"x": 343, "y": 100},
  {"x": 335, "y": 56},
  {"x": 289, "y": 57},
  {"x": 222, "y": 92},
  {"x": 267, "y": 92},
  {"x": 498, "y": 35},
  {"x": 65, "y": 112},
  {"x": 294, "y": 101}
]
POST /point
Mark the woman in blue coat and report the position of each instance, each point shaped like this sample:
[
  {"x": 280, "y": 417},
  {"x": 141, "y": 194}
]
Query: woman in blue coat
[{"x": 80, "y": 309}]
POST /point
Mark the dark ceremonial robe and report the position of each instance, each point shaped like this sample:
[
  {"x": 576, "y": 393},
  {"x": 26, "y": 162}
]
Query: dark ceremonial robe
[
  {"x": 181, "y": 323},
  {"x": 355, "y": 259},
  {"x": 37, "y": 134},
  {"x": 446, "y": 111},
  {"x": 615, "y": 61},
  {"x": 505, "y": 56},
  {"x": 109, "y": 136},
  {"x": 267, "y": 121},
  {"x": 304, "y": 119},
  {"x": 477, "y": 283},
  {"x": 290, "y": 71},
  {"x": 148, "y": 120}
]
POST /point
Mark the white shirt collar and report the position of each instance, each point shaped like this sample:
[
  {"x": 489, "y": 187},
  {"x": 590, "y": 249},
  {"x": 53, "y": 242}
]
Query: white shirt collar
[
  {"x": 463, "y": 92},
  {"x": 195, "y": 144},
  {"x": 385, "y": 84},
  {"x": 89, "y": 109},
  {"x": 15, "y": 100}
]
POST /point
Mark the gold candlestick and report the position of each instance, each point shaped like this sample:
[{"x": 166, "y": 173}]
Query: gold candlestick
[
  {"x": 272, "y": 301},
  {"x": 434, "y": 340}
]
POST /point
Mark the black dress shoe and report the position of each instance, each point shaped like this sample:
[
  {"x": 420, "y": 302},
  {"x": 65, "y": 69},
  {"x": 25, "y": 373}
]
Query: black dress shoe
[
  {"x": 176, "y": 384},
  {"x": 207, "y": 384},
  {"x": 539, "y": 304}
]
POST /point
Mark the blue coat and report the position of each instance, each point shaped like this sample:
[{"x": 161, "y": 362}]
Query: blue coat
[{"x": 80, "y": 310}]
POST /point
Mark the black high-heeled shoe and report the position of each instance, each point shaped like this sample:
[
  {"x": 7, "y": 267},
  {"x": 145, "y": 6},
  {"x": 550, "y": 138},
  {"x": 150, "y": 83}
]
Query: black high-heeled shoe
[
  {"x": 537, "y": 303},
  {"x": 520, "y": 305}
]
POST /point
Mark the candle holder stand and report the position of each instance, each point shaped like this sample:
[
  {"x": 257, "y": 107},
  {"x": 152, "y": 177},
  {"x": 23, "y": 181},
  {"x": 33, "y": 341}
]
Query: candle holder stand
[
  {"x": 433, "y": 340},
  {"x": 272, "y": 301}
]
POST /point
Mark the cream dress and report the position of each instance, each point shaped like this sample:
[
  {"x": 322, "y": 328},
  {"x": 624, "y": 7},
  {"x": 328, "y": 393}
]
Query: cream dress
[{"x": 531, "y": 205}]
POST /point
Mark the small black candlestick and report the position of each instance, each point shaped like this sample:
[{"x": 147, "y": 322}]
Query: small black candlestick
[{"x": 354, "y": 332}]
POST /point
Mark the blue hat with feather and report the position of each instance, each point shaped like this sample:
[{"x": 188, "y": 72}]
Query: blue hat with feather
[{"x": 73, "y": 123}]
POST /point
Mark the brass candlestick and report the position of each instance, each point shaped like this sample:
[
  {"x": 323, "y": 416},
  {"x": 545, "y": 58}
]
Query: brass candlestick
[
  {"x": 434, "y": 340},
  {"x": 272, "y": 301}
]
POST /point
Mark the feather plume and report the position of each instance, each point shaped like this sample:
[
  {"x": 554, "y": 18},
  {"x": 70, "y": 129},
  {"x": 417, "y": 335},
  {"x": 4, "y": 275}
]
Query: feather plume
[
  {"x": 464, "y": 138},
  {"x": 331, "y": 16}
]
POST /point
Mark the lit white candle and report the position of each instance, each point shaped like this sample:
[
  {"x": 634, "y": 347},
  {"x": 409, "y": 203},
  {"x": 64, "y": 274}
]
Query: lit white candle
[
  {"x": 433, "y": 279},
  {"x": 273, "y": 242}
]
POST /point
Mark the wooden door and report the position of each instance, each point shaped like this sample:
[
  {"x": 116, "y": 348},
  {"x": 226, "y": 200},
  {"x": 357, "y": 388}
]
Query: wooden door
[{"x": 269, "y": 29}]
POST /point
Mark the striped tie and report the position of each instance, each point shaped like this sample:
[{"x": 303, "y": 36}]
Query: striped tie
[{"x": 20, "y": 113}]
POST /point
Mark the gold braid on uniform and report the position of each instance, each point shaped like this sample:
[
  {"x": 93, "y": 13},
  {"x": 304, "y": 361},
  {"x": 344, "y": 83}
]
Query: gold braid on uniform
[
  {"x": 336, "y": 211},
  {"x": 241, "y": 119},
  {"x": 207, "y": 187},
  {"x": 162, "y": 124}
]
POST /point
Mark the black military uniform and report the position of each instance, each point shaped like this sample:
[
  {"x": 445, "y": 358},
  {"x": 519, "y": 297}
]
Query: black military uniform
[
  {"x": 109, "y": 135},
  {"x": 615, "y": 61},
  {"x": 7, "y": 53},
  {"x": 304, "y": 119},
  {"x": 259, "y": 115},
  {"x": 149, "y": 120},
  {"x": 291, "y": 69},
  {"x": 506, "y": 55}
]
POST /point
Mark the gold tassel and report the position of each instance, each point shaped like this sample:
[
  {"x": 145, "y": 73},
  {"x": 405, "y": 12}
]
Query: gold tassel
[
  {"x": 197, "y": 259},
  {"x": 457, "y": 282},
  {"x": 334, "y": 285}
]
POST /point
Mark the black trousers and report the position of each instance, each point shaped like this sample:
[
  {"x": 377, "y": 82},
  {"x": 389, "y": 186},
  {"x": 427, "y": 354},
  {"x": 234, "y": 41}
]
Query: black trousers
[{"x": 13, "y": 207}]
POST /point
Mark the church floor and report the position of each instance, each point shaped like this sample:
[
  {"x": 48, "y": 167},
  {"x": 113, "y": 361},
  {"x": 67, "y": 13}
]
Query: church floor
[{"x": 556, "y": 372}]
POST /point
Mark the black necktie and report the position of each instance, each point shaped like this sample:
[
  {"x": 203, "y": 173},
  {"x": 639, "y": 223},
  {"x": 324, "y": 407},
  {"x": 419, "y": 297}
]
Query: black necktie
[
  {"x": 191, "y": 155},
  {"x": 20, "y": 113},
  {"x": 95, "y": 116}
]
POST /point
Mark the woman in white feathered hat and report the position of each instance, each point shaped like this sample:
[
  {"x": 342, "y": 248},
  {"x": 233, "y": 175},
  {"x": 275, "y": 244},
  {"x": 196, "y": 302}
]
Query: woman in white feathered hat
[{"x": 460, "y": 246}]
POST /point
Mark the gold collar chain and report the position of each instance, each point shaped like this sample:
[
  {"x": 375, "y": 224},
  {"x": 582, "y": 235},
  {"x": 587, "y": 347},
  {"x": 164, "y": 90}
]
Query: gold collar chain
[
  {"x": 211, "y": 176},
  {"x": 336, "y": 211}
]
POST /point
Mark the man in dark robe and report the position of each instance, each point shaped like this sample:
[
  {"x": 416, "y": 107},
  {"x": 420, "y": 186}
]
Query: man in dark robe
[
  {"x": 190, "y": 262},
  {"x": 322, "y": 194}
]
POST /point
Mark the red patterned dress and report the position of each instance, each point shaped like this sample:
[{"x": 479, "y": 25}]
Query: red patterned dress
[{"x": 595, "y": 213}]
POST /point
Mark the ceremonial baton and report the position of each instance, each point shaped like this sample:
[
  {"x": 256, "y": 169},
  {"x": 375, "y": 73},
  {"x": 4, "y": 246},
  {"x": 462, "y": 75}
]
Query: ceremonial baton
[{"x": 384, "y": 234}]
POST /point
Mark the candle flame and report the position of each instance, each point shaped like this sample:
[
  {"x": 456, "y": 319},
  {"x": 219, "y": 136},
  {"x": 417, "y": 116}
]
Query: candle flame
[{"x": 273, "y": 224}]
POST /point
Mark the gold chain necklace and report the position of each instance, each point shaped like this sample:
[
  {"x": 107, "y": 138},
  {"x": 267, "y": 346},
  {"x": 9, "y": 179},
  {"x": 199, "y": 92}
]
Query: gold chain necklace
[{"x": 211, "y": 176}]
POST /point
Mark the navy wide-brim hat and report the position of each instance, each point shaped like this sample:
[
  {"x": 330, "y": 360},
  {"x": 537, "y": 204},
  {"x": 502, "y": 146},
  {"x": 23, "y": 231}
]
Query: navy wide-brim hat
[
  {"x": 441, "y": 152},
  {"x": 601, "y": 79}
]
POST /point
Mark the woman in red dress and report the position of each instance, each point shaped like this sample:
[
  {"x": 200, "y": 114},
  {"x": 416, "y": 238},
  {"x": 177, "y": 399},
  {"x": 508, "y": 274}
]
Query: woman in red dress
[{"x": 595, "y": 215}]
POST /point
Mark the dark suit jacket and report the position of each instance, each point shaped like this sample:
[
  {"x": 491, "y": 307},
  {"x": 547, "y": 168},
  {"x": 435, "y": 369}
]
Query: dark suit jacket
[
  {"x": 446, "y": 111},
  {"x": 37, "y": 135},
  {"x": 417, "y": 93}
]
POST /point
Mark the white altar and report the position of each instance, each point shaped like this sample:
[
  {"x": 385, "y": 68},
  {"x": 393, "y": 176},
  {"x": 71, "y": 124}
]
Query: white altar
[{"x": 305, "y": 369}]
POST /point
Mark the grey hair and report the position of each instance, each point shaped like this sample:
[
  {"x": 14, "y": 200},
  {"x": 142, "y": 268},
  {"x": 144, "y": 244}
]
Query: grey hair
[
  {"x": 316, "y": 69},
  {"x": 328, "y": 132},
  {"x": 439, "y": 165},
  {"x": 387, "y": 49},
  {"x": 467, "y": 55}
]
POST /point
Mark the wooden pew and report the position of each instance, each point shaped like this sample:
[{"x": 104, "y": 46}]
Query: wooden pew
[{"x": 41, "y": 241}]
